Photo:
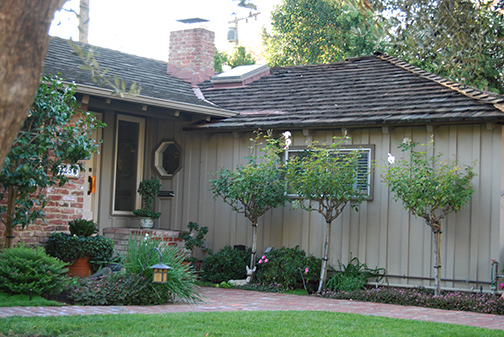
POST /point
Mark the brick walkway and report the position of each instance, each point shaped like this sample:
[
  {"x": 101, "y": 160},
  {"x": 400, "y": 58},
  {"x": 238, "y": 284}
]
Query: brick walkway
[{"x": 217, "y": 299}]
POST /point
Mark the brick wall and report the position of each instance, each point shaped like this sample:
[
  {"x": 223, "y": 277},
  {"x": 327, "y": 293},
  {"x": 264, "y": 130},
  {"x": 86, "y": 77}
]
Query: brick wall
[
  {"x": 122, "y": 235},
  {"x": 65, "y": 204}
]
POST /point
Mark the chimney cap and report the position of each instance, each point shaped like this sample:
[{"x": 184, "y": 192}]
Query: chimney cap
[{"x": 192, "y": 20}]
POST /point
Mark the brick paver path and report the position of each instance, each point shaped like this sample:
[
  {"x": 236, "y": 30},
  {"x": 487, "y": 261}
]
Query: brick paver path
[{"x": 218, "y": 299}]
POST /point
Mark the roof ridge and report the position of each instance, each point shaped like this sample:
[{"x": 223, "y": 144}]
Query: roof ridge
[{"x": 495, "y": 99}]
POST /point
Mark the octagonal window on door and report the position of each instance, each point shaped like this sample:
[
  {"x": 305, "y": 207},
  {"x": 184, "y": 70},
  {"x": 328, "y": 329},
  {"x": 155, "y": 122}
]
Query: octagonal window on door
[{"x": 168, "y": 158}]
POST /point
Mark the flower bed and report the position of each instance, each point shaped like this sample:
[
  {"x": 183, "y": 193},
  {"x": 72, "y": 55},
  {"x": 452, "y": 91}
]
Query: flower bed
[
  {"x": 484, "y": 303},
  {"x": 421, "y": 297}
]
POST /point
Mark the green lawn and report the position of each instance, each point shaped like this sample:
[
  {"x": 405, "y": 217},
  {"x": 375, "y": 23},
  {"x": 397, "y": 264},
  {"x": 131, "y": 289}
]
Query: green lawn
[{"x": 257, "y": 324}]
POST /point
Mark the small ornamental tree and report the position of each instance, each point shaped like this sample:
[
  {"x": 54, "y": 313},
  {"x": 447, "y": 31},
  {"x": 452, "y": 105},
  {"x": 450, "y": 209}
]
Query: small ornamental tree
[
  {"x": 254, "y": 188},
  {"x": 429, "y": 187},
  {"x": 327, "y": 178},
  {"x": 51, "y": 136}
]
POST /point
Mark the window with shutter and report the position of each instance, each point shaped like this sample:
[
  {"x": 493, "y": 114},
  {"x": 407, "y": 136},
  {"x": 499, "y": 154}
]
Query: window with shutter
[{"x": 364, "y": 180}]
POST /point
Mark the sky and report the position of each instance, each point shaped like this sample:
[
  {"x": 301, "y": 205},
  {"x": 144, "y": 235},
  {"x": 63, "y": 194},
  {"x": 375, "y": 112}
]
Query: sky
[{"x": 143, "y": 27}]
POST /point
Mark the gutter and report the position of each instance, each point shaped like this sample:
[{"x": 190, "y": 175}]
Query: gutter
[
  {"x": 164, "y": 103},
  {"x": 344, "y": 125}
]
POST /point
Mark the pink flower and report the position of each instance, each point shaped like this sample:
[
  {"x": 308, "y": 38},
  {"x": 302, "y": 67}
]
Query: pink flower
[
  {"x": 266, "y": 260},
  {"x": 260, "y": 261},
  {"x": 502, "y": 286},
  {"x": 306, "y": 270},
  {"x": 263, "y": 257}
]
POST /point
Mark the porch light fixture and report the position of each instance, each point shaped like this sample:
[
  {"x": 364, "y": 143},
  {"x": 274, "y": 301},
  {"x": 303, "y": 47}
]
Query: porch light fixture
[
  {"x": 160, "y": 273},
  {"x": 160, "y": 270}
]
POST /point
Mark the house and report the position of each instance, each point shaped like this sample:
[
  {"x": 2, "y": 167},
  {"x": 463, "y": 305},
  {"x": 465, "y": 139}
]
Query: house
[
  {"x": 181, "y": 130},
  {"x": 378, "y": 101}
]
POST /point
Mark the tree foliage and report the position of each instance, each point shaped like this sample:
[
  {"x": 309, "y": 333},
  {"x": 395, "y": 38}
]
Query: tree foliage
[
  {"x": 88, "y": 56},
  {"x": 325, "y": 177},
  {"x": 429, "y": 187},
  {"x": 320, "y": 31},
  {"x": 220, "y": 59},
  {"x": 254, "y": 188},
  {"x": 459, "y": 40},
  {"x": 52, "y": 135},
  {"x": 239, "y": 57}
]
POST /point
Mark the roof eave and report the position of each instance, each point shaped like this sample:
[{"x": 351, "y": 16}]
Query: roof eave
[
  {"x": 163, "y": 103},
  {"x": 363, "y": 124}
]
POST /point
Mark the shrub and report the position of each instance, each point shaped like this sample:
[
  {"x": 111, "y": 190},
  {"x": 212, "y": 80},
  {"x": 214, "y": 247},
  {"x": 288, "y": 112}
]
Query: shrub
[
  {"x": 23, "y": 269},
  {"x": 69, "y": 248},
  {"x": 353, "y": 276},
  {"x": 82, "y": 227},
  {"x": 227, "y": 264},
  {"x": 117, "y": 289},
  {"x": 288, "y": 267},
  {"x": 148, "y": 189},
  {"x": 100, "y": 250},
  {"x": 421, "y": 297},
  {"x": 141, "y": 254},
  {"x": 225, "y": 285},
  {"x": 134, "y": 286},
  {"x": 193, "y": 238},
  {"x": 267, "y": 288}
]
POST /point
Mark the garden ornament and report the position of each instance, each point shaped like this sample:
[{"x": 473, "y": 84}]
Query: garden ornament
[{"x": 250, "y": 272}]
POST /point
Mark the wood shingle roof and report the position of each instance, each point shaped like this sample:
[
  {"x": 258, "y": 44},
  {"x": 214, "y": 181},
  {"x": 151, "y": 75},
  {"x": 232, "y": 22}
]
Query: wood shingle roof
[
  {"x": 149, "y": 74},
  {"x": 366, "y": 91}
]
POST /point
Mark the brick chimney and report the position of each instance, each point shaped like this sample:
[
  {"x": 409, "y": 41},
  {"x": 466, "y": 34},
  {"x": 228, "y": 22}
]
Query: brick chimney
[{"x": 191, "y": 56}]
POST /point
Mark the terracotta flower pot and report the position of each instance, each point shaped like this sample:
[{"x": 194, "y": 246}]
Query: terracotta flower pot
[{"x": 80, "y": 268}]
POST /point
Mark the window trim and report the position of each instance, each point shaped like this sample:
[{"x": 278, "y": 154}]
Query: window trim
[
  {"x": 158, "y": 158},
  {"x": 370, "y": 148},
  {"x": 140, "y": 160}
]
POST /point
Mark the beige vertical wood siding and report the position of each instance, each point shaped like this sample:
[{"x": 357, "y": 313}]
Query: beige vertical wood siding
[{"x": 381, "y": 234}]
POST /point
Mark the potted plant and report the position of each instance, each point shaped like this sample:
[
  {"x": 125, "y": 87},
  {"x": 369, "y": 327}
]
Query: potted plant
[
  {"x": 193, "y": 238},
  {"x": 148, "y": 189},
  {"x": 84, "y": 250}
]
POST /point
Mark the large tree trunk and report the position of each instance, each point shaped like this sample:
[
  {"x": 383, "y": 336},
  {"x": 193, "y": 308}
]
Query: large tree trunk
[
  {"x": 323, "y": 270},
  {"x": 24, "y": 26}
]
